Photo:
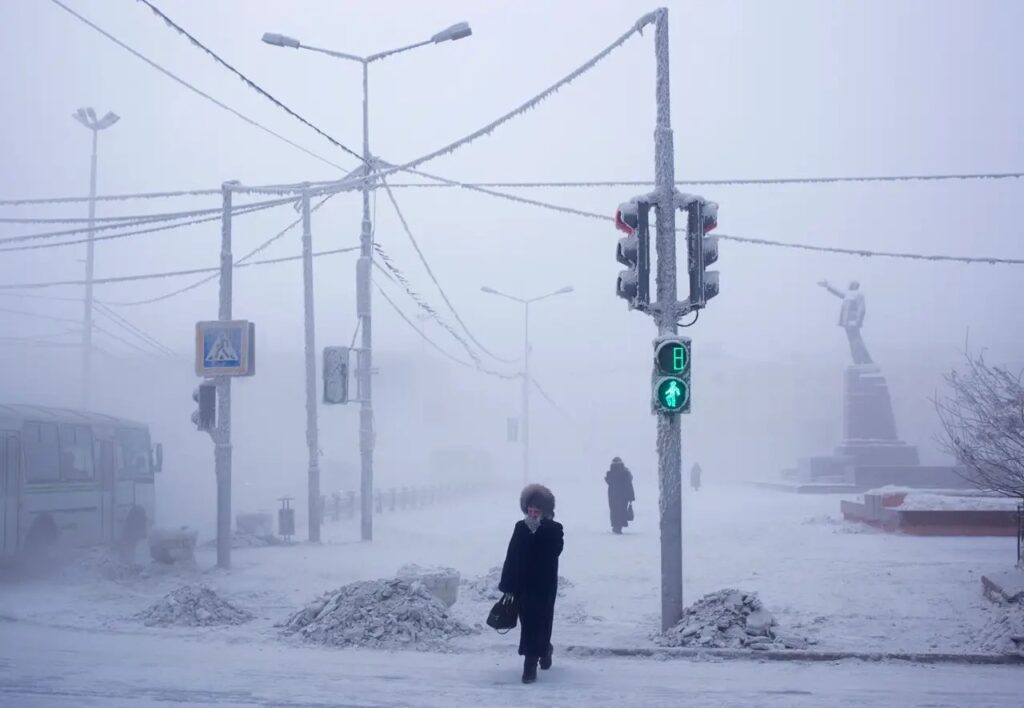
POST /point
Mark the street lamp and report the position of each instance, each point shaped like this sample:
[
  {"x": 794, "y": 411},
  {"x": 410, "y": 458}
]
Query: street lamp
[
  {"x": 526, "y": 302},
  {"x": 363, "y": 265},
  {"x": 87, "y": 117}
]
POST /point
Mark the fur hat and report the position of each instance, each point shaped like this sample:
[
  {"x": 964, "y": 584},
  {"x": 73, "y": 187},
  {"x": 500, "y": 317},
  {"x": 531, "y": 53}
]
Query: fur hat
[{"x": 539, "y": 496}]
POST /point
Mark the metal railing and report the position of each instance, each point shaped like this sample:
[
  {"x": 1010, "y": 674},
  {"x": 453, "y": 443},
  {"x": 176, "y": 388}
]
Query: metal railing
[{"x": 345, "y": 504}]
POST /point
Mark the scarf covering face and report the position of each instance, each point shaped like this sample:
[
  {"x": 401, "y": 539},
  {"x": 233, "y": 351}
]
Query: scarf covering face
[{"x": 532, "y": 523}]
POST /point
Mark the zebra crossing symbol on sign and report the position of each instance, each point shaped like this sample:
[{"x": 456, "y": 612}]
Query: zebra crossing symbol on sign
[{"x": 225, "y": 348}]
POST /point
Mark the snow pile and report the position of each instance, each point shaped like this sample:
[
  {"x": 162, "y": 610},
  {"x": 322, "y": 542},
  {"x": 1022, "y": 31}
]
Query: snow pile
[
  {"x": 728, "y": 619},
  {"x": 100, "y": 563},
  {"x": 193, "y": 606},
  {"x": 1005, "y": 622},
  {"x": 443, "y": 582},
  {"x": 386, "y": 614},
  {"x": 484, "y": 588}
]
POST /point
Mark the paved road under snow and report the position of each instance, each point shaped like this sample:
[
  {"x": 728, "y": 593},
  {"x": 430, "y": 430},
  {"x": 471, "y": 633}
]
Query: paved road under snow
[{"x": 46, "y": 666}]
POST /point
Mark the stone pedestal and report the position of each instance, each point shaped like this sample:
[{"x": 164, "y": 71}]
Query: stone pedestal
[{"x": 871, "y": 454}]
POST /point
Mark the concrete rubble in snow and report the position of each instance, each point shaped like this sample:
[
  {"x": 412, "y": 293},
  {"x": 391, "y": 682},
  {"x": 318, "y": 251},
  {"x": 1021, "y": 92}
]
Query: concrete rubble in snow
[
  {"x": 193, "y": 606},
  {"x": 387, "y": 614},
  {"x": 443, "y": 582},
  {"x": 484, "y": 588},
  {"x": 729, "y": 619}
]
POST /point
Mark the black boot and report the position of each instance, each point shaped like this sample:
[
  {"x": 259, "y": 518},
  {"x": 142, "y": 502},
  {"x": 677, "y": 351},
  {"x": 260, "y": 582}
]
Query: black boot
[
  {"x": 545, "y": 661},
  {"x": 530, "y": 669}
]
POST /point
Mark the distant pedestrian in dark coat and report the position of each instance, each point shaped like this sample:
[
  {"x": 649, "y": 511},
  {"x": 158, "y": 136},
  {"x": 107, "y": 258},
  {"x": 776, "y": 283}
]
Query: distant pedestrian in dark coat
[
  {"x": 620, "y": 494},
  {"x": 530, "y": 576}
]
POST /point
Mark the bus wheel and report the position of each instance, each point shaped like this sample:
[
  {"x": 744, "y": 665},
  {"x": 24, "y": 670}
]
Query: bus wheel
[{"x": 40, "y": 550}]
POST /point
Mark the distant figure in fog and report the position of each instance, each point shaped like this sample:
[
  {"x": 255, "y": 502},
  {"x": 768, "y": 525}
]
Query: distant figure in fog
[
  {"x": 529, "y": 577},
  {"x": 620, "y": 495},
  {"x": 695, "y": 476}
]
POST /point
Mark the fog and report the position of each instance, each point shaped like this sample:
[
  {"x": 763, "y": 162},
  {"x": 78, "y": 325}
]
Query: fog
[{"x": 789, "y": 89}]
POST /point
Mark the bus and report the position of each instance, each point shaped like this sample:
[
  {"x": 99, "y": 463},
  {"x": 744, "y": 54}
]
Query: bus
[{"x": 70, "y": 480}]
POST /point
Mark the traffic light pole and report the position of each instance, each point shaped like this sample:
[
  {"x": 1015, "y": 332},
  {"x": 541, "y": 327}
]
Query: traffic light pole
[
  {"x": 365, "y": 356},
  {"x": 222, "y": 434},
  {"x": 669, "y": 438}
]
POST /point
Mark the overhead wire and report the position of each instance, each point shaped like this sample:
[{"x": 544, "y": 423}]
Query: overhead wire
[
  {"x": 433, "y": 277},
  {"x": 129, "y": 326},
  {"x": 246, "y": 80},
  {"x": 164, "y": 274},
  {"x": 202, "y": 281},
  {"x": 195, "y": 90}
]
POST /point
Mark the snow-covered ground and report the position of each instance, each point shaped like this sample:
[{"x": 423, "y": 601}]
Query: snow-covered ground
[{"x": 845, "y": 586}]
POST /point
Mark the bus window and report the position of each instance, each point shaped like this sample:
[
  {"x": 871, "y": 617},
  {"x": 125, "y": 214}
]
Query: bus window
[
  {"x": 42, "y": 455},
  {"x": 134, "y": 458},
  {"x": 76, "y": 452}
]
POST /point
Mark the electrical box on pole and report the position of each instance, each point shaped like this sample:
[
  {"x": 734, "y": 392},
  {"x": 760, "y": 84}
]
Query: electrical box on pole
[
  {"x": 335, "y": 373},
  {"x": 671, "y": 380},
  {"x": 634, "y": 252}
]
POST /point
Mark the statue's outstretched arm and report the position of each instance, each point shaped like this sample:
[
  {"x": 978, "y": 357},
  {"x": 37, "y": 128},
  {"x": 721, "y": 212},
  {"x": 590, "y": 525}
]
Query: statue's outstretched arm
[{"x": 825, "y": 284}]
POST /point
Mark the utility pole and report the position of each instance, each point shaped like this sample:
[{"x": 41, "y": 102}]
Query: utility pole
[
  {"x": 669, "y": 439},
  {"x": 526, "y": 394},
  {"x": 364, "y": 263},
  {"x": 312, "y": 428},
  {"x": 87, "y": 117},
  {"x": 222, "y": 435},
  {"x": 365, "y": 355}
]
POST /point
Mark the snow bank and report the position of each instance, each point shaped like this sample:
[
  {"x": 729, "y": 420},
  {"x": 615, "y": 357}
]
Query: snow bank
[
  {"x": 484, "y": 588},
  {"x": 728, "y": 619},
  {"x": 389, "y": 614},
  {"x": 1005, "y": 622},
  {"x": 193, "y": 606},
  {"x": 241, "y": 539},
  {"x": 923, "y": 501}
]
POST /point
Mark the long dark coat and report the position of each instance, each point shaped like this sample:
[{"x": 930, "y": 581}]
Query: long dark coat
[
  {"x": 531, "y": 574},
  {"x": 620, "y": 493}
]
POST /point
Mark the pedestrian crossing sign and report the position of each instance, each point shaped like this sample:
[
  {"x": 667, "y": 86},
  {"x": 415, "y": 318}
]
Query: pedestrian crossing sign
[{"x": 225, "y": 348}]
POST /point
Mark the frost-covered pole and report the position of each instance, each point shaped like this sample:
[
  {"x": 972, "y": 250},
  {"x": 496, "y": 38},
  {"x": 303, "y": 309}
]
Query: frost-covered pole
[
  {"x": 365, "y": 358},
  {"x": 89, "y": 256},
  {"x": 526, "y": 395},
  {"x": 222, "y": 435},
  {"x": 669, "y": 433},
  {"x": 312, "y": 430}
]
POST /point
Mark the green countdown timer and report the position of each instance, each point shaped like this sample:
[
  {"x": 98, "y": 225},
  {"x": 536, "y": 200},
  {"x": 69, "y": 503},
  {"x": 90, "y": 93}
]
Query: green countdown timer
[
  {"x": 673, "y": 358},
  {"x": 673, "y": 394}
]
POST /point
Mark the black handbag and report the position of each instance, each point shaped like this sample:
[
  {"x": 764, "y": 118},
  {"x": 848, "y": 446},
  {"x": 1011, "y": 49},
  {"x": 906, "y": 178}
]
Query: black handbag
[
  {"x": 503, "y": 616},
  {"x": 629, "y": 512}
]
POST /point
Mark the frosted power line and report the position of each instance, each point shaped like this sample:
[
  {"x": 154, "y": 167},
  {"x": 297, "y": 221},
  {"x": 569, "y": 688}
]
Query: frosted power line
[
  {"x": 435, "y": 346},
  {"x": 133, "y": 329},
  {"x": 112, "y": 197},
  {"x": 430, "y": 272},
  {"x": 241, "y": 261},
  {"x": 195, "y": 90},
  {"x": 40, "y": 316},
  {"x": 241, "y": 210},
  {"x": 246, "y": 80},
  {"x": 394, "y": 274},
  {"x": 722, "y": 182},
  {"x": 166, "y": 274}
]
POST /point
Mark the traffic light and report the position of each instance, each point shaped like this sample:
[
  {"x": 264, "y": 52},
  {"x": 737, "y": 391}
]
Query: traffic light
[
  {"x": 633, "y": 251},
  {"x": 703, "y": 250},
  {"x": 335, "y": 374},
  {"x": 205, "y": 415},
  {"x": 671, "y": 389}
]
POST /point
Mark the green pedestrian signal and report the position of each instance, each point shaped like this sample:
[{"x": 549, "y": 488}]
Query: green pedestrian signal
[
  {"x": 673, "y": 394},
  {"x": 671, "y": 378}
]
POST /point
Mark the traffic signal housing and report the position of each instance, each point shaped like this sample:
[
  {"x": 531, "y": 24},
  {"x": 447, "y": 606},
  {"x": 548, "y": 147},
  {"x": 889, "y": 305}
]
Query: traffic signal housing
[
  {"x": 702, "y": 217},
  {"x": 205, "y": 415},
  {"x": 671, "y": 380},
  {"x": 633, "y": 251}
]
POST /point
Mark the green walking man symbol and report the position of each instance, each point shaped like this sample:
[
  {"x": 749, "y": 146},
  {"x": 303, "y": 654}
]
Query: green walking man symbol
[{"x": 672, "y": 394}]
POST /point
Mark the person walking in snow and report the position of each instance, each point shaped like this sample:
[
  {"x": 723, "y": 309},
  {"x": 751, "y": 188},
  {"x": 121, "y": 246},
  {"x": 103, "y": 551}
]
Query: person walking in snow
[
  {"x": 695, "y": 476},
  {"x": 620, "y": 494},
  {"x": 529, "y": 576}
]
